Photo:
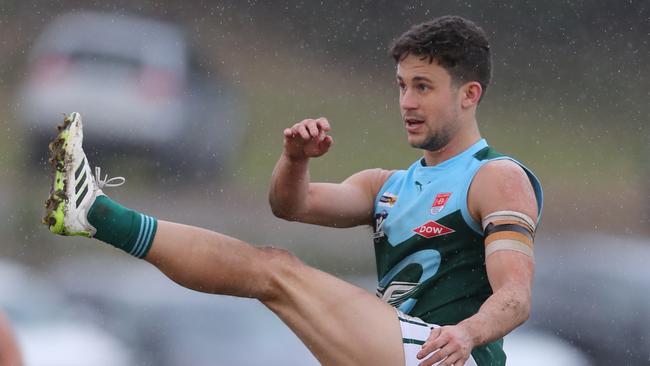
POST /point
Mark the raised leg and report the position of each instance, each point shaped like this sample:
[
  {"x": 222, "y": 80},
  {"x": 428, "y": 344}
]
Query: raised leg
[{"x": 340, "y": 323}]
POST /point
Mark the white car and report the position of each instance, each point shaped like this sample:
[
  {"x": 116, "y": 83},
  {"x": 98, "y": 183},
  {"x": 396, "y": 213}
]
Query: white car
[
  {"x": 137, "y": 85},
  {"x": 528, "y": 346},
  {"x": 52, "y": 330}
]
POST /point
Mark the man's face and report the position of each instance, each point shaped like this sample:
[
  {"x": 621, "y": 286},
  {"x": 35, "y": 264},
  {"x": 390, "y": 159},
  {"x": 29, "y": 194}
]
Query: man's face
[{"x": 429, "y": 103}]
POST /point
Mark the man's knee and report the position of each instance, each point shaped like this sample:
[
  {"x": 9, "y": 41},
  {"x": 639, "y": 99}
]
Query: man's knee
[{"x": 282, "y": 271}]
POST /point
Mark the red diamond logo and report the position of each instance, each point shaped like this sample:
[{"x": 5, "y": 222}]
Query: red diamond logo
[{"x": 432, "y": 229}]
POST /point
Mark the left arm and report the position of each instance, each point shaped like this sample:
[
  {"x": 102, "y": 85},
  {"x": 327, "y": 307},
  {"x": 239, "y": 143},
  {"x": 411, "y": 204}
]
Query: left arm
[
  {"x": 9, "y": 348},
  {"x": 498, "y": 186}
]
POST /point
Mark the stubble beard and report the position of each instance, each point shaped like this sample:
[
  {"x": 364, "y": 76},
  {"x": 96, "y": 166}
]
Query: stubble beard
[
  {"x": 441, "y": 138},
  {"x": 435, "y": 142}
]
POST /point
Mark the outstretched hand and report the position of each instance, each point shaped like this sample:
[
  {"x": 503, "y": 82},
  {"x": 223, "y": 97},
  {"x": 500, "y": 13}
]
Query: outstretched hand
[
  {"x": 307, "y": 139},
  {"x": 450, "y": 345}
]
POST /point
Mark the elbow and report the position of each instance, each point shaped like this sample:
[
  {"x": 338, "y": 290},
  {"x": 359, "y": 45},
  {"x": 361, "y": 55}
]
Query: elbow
[
  {"x": 518, "y": 304},
  {"x": 282, "y": 212},
  {"x": 277, "y": 209},
  {"x": 525, "y": 313},
  {"x": 524, "y": 309},
  {"x": 287, "y": 208}
]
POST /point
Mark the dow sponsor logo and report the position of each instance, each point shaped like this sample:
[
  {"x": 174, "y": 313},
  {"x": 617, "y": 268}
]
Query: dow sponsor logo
[{"x": 432, "y": 229}]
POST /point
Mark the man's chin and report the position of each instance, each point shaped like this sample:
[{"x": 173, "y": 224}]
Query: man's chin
[
  {"x": 428, "y": 144},
  {"x": 417, "y": 143}
]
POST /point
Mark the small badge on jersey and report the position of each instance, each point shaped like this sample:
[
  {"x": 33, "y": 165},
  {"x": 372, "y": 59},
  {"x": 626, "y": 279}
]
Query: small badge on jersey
[
  {"x": 432, "y": 229},
  {"x": 387, "y": 200},
  {"x": 439, "y": 202},
  {"x": 378, "y": 231}
]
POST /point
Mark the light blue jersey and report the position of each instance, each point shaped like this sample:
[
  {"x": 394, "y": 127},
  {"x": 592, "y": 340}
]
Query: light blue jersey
[{"x": 430, "y": 252}]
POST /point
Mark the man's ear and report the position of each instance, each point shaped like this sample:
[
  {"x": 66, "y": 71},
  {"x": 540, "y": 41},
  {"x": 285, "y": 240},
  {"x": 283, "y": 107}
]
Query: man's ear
[{"x": 470, "y": 94}]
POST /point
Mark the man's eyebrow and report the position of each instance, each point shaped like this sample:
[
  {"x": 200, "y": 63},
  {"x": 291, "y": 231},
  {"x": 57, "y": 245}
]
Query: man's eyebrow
[
  {"x": 416, "y": 79},
  {"x": 422, "y": 78}
]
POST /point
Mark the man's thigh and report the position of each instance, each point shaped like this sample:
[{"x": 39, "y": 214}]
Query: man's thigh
[{"x": 340, "y": 323}]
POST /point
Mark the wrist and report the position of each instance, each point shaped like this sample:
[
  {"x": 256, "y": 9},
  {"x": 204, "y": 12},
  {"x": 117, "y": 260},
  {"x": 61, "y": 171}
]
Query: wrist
[
  {"x": 295, "y": 158},
  {"x": 472, "y": 331}
]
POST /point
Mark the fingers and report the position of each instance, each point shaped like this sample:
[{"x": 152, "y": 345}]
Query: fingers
[
  {"x": 454, "y": 359},
  {"x": 307, "y": 138},
  {"x": 312, "y": 128},
  {"x": 327, "y": 142},
  {"x": 444, "y": 348},
  {"x": 287, "y": 132},
  {"x": 323, "y": 124},
  {"x": 309, "y": 129},
  {"x": 445, "y": 356},
  {"x": 433, "y": 343}
]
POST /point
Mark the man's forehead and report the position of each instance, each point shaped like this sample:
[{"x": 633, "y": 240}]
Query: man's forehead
[
  {"x": 414, "y": 66},
  {"x": 410, "y": 69}
]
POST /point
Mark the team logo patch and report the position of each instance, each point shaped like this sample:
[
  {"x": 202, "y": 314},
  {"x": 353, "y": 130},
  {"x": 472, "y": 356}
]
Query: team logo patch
[
  {"x": 387, "y": 200},
  {"x": 378, "y": 231},
  {"x": 432, "y": 229},
  {"x": 439, "y": 202}
]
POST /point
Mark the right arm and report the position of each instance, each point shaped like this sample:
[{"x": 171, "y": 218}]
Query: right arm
[{"x": 294, "y": 197}]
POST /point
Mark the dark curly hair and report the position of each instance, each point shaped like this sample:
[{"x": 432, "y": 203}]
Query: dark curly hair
[{"x": 455, "y": 43}]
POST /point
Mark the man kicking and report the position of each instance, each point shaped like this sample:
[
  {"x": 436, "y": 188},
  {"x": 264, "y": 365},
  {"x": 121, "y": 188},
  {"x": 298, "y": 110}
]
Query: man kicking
[
  {"x": 470, "y": 268},
  {"x": 453, "y": 233}
]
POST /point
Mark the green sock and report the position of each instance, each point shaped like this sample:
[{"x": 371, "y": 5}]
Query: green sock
[{"x": 121, "y": 227}]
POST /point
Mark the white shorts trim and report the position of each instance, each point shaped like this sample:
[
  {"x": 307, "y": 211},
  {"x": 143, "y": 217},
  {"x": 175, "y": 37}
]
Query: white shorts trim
[{"x": 415, "y": 332}]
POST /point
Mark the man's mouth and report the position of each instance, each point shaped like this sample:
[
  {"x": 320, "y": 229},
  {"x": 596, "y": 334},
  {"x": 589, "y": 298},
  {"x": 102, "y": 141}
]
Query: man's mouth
[{"x": 413, "y": 123}]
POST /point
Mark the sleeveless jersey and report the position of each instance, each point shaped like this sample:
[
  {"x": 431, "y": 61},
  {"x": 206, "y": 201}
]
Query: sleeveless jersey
[{"x": 430, "y": 252}]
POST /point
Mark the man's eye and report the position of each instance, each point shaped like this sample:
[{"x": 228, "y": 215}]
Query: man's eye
[{"x": 423, "y": 87}]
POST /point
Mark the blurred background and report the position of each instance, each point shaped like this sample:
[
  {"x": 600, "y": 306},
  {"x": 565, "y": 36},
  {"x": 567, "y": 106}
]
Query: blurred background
[{"x": 188, "y": 100}]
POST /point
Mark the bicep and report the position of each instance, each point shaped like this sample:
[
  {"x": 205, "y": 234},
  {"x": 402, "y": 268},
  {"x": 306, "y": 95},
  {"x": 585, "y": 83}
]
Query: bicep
[
  {"x": 346, "y": 204},
  {"x": 503, "y": 186}
]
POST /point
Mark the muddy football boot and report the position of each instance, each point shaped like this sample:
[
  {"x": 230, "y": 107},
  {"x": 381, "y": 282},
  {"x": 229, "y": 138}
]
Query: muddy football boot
[{"x": 74, "y": 188}]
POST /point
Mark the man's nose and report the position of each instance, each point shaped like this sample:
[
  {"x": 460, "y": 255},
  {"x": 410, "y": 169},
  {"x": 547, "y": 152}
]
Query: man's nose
[{"x": 408, "y": 99}]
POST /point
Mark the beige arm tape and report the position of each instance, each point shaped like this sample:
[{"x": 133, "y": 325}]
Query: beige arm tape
[{"x": 509, "y": 242}]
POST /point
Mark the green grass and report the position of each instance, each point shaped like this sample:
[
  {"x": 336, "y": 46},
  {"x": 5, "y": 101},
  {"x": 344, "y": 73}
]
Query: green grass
[
  {"x": 593, "y": 172},
  {"x": 566, "y": 145},
  {"x": 567, "y": 142},
  {"x": 368, "y": 133}
]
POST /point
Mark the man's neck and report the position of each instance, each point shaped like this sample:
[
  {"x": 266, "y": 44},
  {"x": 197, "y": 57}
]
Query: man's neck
[{"x": 459, "y": 143}]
